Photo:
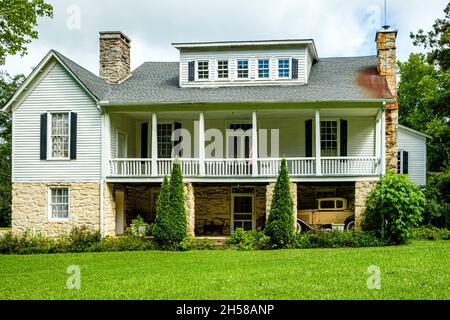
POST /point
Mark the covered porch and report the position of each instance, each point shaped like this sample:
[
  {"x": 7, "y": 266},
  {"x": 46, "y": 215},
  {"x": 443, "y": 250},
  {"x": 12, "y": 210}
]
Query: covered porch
[{"x": 316, "y": 143}]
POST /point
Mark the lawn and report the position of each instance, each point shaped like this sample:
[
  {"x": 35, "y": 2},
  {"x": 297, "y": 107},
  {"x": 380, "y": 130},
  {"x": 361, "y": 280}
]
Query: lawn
[{"x": 417, "y": 271}]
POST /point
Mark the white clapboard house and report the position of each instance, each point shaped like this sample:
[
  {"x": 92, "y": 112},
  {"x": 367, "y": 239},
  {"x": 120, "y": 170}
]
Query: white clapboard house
[{"x": 92, "y": 150}]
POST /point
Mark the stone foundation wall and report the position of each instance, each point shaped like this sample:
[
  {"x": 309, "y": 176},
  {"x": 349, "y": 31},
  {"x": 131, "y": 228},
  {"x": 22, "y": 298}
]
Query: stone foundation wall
[
  {"x": 362, "y": 189},
  {"x": 109, "y": 210},
  {"x": 269, "y": 194},
  {"x": 189, "y": 197},
  {"x": 30, "y": 208}
]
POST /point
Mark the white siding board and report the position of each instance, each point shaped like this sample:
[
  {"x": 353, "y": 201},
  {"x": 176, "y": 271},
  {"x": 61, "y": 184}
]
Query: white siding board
[
  {"x": 415, "y": 145},
  {"x": 57, "y": 91},
  {"x": 361, "y": 136}
]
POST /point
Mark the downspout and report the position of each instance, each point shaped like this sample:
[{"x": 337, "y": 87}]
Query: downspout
[{"x": 102, "y": 172}]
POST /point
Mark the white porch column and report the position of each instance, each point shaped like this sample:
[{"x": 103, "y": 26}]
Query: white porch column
[
  {"x": 201, "y": 143},
  {"x": 383, "y": 142},
  {"x": 154, "y": 145},
  {"x": 254, "y": 144},
  {"x": 317, "y": 137}
]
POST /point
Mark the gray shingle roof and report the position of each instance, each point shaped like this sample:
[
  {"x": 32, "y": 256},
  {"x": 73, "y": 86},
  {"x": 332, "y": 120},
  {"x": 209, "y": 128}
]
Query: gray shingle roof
[{"x": 331, "y": 79}]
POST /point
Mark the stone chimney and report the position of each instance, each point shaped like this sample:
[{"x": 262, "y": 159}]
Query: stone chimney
[
  {"x": 387, "y": 57},
  {"x": 387, "y": 67},
  {"x": 114, "y": 56}
]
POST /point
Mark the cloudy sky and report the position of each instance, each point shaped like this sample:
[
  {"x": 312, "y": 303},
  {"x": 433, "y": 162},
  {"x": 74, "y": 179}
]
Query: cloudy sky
[{"x": 340, "y": 28}]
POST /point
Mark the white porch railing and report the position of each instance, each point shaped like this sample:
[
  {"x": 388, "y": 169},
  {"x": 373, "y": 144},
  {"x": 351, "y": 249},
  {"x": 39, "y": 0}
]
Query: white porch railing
[
  {"x": 266, "y": 167},
  {"x": 130, "y": 167},
  {"x": 189, "y": 167},
  {"x": 296, "y": 166},
  {"x": 350, "y": 166},
  {"x": 228, "y": 167}
]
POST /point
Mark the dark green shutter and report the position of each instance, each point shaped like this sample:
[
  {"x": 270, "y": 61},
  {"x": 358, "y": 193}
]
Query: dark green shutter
[
  {"x": 43, "y": 145},
  {"x": 178, "y": 138},
  {"x": 344, "y": 134},
  {"x": 191, "y": 71},
  {"x": 73, "y": 136},
  {"x": 294, "y": 68},
  {"x": 405, "y": 162},
  {"x": 308, "y": 138},
  {"x": 144, "y": 140}
]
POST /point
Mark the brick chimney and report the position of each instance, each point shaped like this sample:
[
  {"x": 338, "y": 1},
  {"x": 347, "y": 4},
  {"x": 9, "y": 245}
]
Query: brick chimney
[
  {"x": 114, "y": 56},
  {"x": 387, "y": 67}
]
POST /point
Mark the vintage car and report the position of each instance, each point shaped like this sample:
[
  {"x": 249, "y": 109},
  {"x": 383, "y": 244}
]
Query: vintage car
[{"x": 329, "y": 212}]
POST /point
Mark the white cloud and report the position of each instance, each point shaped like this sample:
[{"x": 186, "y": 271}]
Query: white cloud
[{"x": 339, "y": 28}]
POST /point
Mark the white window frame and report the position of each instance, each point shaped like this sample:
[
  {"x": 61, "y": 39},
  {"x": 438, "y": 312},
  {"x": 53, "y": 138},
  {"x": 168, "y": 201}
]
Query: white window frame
[
  {"x": 228, "y": 123},
  {"x": 228, "y": 69},
  {"x": 197, "y": 62},
  {"x": 290, "y": 68},
  {"x": 49, "y": 136},
  {"x": 172, "y": 142},
  {"x": 257, "y": 69},
  {"x": 49, "y": 204},
  {"x": 237, "y": 69},
  {"x": 338, "y": 128}
]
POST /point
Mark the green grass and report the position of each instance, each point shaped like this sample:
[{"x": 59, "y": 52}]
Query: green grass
[{"x": 417, "y": 271}]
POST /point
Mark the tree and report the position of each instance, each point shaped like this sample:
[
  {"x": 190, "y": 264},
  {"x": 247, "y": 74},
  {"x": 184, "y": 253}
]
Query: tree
[
  {"x": 178, "y": 203},
  {"x": 162, "y": 228},
  {"x": 18, "y": 21},
  {"x": 281, "y": 223},
  {"x": 8, "y": 85},
  {"x": 170, "y": 227},
  {"x": 438, "y": 40},
  {"x": 424, "y": 97},
  {"x": 394, "y": 207}
]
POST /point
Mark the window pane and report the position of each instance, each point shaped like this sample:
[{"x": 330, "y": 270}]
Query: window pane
[
  {"x": 327, "y": 204},
  {"x": 222, "y": 69},
  {"x": 263, "y": 68},
  {"x": 283, "y": 68},
  {"x": 59, "y": 135},
  {"x": 165, "y": 140},
  {"x": 328, "y": 138},
  {"x": 203, "y": 69},
  {"x": 59, "y": 204},
  {"x": 242, "y": 68}
]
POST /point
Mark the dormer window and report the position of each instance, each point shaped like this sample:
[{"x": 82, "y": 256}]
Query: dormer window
[
  {"x": 284, "y": 68},
  {"x": 203, "y": 70},
  {"x": 263, "y": 68},
  {"x": 242, "y": 69},
  {"x": 222, "y": 69}
]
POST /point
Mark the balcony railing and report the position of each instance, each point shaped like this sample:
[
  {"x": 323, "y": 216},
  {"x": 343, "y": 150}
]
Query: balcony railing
[{"x": 267, "y": 167}]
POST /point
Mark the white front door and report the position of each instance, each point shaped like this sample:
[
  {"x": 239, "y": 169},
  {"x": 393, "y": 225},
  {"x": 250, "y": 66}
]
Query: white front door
[
  {"x": 243, "y": 212},
  {"x": 120, "y": 212}
]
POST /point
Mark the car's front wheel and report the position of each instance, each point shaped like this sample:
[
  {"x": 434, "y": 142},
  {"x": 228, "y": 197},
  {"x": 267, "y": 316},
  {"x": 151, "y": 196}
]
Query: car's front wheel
[
  {"x": 299, "y": 227},
  {"x": 349, "y": 226}
]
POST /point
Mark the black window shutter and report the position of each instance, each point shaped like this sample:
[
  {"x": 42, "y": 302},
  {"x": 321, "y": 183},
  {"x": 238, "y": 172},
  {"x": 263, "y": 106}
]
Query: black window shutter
[
  {"x": 73, "y": 136},
  {"x": 43, "y": 149},
  {"x": 405, "y": 162},
  {"x": 177, "y": 137},
  {"x": 308, "y": 138},
  {"x": 144, "y": 140},
  {"x": 191, "y": 71},
  {"x": 294, "y": 68},
  {"x": 344, "y": 135}
]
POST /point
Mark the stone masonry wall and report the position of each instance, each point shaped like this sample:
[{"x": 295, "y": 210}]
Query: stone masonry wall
[
  {"x": 362, "y": 189},
  {"x": 114, "y": 57},
  {"x": 30, "y": 208}
]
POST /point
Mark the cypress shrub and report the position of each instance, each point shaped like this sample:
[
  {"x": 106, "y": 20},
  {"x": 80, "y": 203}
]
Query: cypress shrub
[
  {"x": 179, "y": 218},
  {"x": 163, "y": 227},
  {"x": 281, "y": 224}
]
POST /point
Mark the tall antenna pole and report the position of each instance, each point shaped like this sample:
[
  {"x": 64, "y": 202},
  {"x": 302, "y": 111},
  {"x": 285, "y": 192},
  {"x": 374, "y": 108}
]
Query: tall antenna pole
[{"x": 385, "y": 27}]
